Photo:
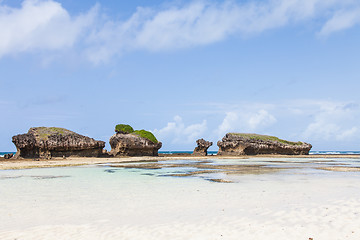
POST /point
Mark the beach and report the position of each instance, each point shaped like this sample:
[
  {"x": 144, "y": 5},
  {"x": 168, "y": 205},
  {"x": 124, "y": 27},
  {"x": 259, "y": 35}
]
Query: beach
[{"x": 175, "y": 198}]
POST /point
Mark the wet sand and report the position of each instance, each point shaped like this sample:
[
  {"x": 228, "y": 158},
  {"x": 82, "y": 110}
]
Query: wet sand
[{"x": 35, "y": 163}]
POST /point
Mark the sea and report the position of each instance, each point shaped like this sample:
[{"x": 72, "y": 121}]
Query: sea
[
  {"x": 311, "y": 152},
  {"x": 215, "y": 152},
  {"x": 3, "y": 153}
]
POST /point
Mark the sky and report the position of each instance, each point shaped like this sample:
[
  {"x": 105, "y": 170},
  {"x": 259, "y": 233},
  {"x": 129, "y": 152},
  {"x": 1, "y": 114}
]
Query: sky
[{"x": 183, "y": 69}]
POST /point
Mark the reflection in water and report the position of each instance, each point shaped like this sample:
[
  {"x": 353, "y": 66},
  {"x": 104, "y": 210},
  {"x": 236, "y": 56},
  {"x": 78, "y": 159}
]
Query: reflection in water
[{"x": 226, "y": 170}]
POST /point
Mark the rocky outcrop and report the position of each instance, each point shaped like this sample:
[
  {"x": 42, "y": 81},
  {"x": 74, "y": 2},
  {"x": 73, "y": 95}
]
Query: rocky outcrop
[
  {"x": 133, "y": 145},
  {"x": 253, "y": 144},
  {"x": 48, "y": 142},
  {"x": 129, "y": 142},
  {"x": 8, "y": 155},
  {"x": 202, "y": 147}
]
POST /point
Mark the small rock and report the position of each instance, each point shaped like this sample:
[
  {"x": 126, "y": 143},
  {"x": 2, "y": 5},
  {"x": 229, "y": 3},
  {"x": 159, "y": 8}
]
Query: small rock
[
  {"x": 8, "y": 156},
  {"x": 202, "y": 147}
]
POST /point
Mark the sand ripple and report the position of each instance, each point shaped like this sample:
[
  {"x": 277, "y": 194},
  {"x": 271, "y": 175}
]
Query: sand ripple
[{"x": 336, "y": 220}]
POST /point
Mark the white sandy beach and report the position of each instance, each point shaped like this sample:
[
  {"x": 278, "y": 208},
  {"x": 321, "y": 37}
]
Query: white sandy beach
[{"x": 86, "y": 203}]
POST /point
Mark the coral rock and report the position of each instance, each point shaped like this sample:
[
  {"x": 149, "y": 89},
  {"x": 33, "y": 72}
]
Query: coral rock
[
  {"x": 253, "y": 144},
  {"x": 202, "y": 147},
  {"x": 48, "y": 142},
  {"x": 8, "y": 156},
  {"x": 133, "y": 145}
]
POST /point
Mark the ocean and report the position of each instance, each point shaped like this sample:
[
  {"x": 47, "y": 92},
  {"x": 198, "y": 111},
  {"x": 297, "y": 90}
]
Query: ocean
[
  {"x": 311, "y": 152},
  {"x": 215, "y": 152},
  {"x": 3, "y": 153}
]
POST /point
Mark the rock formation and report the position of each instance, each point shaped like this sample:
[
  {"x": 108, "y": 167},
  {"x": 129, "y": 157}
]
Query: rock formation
[
  {"x": 202, "y": 147},
  {"x": 8, "y": 155},
  {"x": 127, "y": 142},
  {"x": 48, "y": 142},
  {"x": 253, "y": 144}
]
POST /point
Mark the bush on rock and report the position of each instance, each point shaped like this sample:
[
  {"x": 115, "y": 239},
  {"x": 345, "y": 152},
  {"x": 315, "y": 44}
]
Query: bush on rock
[
  {"x": 146, "y": 134},
  {"x": 123, "y": 128}
]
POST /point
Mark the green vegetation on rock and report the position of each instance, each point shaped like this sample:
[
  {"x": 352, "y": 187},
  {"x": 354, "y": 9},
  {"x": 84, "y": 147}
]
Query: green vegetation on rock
[
  {"x": 123, "y": 128},
  {"x": 254, "y": 136},
  {"x": 146, "y": 134},
  {"x": 127, "y": 129},
  {"x": 44, "y": 132}
]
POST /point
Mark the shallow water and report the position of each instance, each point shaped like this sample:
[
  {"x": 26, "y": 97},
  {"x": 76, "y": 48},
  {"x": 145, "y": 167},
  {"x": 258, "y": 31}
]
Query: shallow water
[
  {"x": 113, "y": 201},
  {"x": 222, "y": 169}
]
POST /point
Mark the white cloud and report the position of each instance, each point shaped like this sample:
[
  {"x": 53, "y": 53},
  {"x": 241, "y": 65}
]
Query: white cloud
[
  {"x": 333, "y": 121},
  {"x": 340, "y": 21},
  {"x": 228, "y": 124},
  {"x": 261, "y": 118},
  {"x": 194, "y": 24},
  {"x": 46, "y": 25},
  {"x": 205, "y": 22},
  {"x": 177, "y": 132},
  {"x": 43, "y": 25},
  {"x": 245, "y": 120}
]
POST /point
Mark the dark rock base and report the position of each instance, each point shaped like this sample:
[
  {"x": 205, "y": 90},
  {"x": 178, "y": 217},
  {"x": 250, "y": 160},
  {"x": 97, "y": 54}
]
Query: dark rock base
[{"x": 48, "y": 154}]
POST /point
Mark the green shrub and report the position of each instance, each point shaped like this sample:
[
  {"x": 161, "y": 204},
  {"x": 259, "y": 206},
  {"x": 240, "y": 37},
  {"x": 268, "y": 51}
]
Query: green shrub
[
  {"x": 123, "y": 128},
  {"x": 146, "y": 134}
]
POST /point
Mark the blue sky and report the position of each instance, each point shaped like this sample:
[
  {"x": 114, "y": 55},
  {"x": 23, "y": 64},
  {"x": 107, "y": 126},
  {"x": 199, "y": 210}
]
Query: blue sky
[{"x": 183, "y": 69}]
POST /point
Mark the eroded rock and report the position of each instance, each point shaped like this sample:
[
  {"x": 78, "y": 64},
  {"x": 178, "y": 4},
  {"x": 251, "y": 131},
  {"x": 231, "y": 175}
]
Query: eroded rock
[
  {"x": 132, "y": 144},
  {"x": 8, "y": 155},
  {"x": 48, "y": 142},
  {"x": 202, "y": 147},
  {"x": 252, "y": 144}
]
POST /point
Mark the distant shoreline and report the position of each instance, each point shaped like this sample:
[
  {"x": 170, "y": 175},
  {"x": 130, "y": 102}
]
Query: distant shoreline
[{"x": 10, "y": 164}]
